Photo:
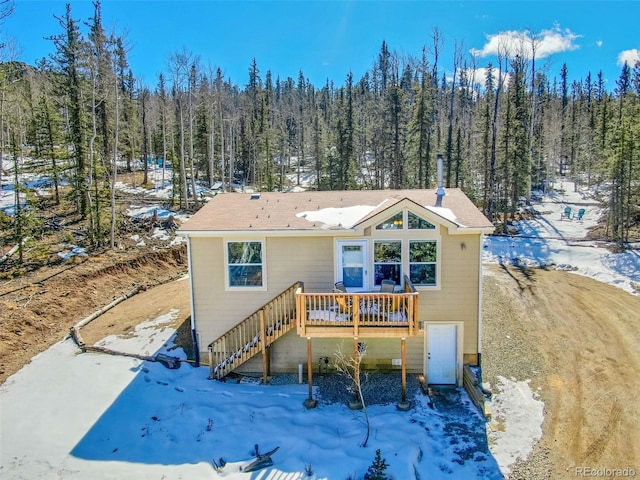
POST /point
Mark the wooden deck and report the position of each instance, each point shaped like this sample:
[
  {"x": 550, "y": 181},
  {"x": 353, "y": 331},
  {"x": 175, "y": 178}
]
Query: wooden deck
[
  {"x": 315, "y": 315},
  {"x": 358, "y": 315}
]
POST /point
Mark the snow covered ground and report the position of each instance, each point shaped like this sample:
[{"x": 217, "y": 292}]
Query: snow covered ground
[
  {"x": 550, "y": 241},
  {"x": 77, "y": 416},
  {"x": 94, "y": 416}
]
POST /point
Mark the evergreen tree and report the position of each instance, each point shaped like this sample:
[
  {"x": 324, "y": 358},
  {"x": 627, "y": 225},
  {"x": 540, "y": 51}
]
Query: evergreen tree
[
  {"x": 421, "y": 126},
  {"x": 48, "y": 136},
  {"x": 68, "y": 57},
  {"x": 379, "y": 131},
  {"x": 518, "y": 154},
  {"x": 377, "y": 469},
  {"x": 623, "y": 154},
  {"x": 564, "y": 157},
  {"x": 486, "y": 135}
]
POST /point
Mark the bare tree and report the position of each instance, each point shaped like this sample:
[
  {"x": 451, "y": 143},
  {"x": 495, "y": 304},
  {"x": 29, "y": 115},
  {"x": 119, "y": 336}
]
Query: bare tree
[
  {"x": 6, "y": 8},
  {"x": 349, "y": 365},
  {"x": 181, "y": 63}
]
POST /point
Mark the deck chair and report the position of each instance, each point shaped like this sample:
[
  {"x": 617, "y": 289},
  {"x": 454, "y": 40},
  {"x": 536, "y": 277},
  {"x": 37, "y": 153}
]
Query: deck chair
[
  {"x": 393, "y": 304},
  {"x": 581, "y": 213},
  {"x": 343, "y": 303},
  {"x": 387, "y": 286},
  {"x": 566, "y": 213}
]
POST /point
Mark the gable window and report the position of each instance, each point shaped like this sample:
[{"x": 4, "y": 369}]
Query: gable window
[
  {"x": 418, "y": 223},
  {"x": 392, "y": 223},
  {"x": 401, "y": 222},
  {"x": 423, "y": 257},
  {"x": 387, "y": 261},
  {"x": 245, "y": 264}
]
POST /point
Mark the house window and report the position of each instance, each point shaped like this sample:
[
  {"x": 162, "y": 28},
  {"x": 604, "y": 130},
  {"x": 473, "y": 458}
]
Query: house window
[
  {"x": 392, "y": 223},
  {"x": 423, "y": 256},
  {"x": 418, "y": 223},
  {"x": 387, "y": 261},
  {"x": 412, "y": 222},
  {"x": 245, "y": 264}
]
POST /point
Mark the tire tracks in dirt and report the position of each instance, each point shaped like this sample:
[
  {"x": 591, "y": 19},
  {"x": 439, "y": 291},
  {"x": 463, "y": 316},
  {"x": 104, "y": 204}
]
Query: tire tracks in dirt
[
  {"x": 582, "y": 337},
  {"x": 596, "y": 449}
]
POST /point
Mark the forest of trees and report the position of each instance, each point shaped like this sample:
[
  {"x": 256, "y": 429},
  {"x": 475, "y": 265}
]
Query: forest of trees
[{"x": 83, "y": 114}]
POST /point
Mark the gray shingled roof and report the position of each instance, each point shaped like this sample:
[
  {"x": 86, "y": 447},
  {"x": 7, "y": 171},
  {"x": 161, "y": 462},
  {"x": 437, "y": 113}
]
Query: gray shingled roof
[{"x": 275, "y": 211}]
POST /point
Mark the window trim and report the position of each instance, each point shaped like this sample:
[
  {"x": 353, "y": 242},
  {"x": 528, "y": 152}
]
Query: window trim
[
  {"x": 437, "y": 262},
  {"x": 263, "y": 265},
  {"x": 401, "y": 262}
]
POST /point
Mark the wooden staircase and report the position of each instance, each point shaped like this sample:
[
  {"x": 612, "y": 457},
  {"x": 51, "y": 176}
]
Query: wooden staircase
[{"x": 254, "y": 334}]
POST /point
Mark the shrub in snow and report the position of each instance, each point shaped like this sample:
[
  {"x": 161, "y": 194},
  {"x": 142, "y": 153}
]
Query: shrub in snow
[{"x": 377, "y": 469}]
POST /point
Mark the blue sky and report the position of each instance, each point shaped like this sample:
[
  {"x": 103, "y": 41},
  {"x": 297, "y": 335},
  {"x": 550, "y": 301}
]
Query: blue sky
[{"x": 327, "y": 39}]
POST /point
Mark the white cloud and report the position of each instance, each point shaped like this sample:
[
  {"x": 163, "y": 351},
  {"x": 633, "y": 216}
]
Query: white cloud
[
  {"x": 513, "y": 42},
  {"x": 599, "y": 43},
  {"x": 479, "y": 76},
  {"x": 629, "y": 56}
]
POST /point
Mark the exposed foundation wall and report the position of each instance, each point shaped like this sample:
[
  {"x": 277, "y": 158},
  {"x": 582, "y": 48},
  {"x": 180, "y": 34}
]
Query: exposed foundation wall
[{"x": 291, "y": 350}]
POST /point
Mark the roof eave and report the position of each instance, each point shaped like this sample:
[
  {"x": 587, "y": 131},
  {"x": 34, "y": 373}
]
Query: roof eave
[
  {"x": 461, "y": 230},
  {"x": 269, "y": 233}
]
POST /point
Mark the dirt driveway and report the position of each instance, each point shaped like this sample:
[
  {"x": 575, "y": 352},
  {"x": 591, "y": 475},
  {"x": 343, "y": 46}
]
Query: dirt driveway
[{"x": 578, "y": 340}]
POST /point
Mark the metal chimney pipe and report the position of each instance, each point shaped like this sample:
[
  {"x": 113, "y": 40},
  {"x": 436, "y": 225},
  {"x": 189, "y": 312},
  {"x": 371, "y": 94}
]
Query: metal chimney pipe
[{"x": 440, "y": 193}]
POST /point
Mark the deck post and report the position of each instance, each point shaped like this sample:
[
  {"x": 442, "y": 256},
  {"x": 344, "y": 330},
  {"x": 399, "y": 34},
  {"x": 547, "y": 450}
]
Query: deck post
[
  {"x": 310, "y": 402},
  {"x": 265, "y": 352},
  {"x": 267, "y": 363},
  {"x": 404, "y": 405},
  {"x": 403, "y": 355},
  {"x": 211, "y": 365},
  {"x": 355, "y": 307},
  {"x": 224, "y": 355},
  {"x": 299, "y": 306}
]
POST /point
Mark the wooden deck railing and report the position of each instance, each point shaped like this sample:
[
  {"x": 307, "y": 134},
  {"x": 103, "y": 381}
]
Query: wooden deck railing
[
  {"x": 371, "y": 314},
  {"x": 254, "y": 334}
]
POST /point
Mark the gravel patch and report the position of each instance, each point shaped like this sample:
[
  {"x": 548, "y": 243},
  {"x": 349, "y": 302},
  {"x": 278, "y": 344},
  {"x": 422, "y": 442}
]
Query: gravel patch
[
  {"x": 509, "y": 353},
  {"x": 377, "y": 388}
]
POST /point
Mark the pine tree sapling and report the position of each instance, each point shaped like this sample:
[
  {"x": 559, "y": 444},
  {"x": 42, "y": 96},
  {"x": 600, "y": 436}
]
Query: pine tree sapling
[{"x": 377, "y": 469}]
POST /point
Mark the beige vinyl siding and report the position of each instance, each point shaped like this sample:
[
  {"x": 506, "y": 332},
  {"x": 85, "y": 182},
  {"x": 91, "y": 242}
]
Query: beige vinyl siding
[
  {"x": 458, "y": 296},
  {"x": 312, "y": 261},
  {"x": 218, "y": 308}
]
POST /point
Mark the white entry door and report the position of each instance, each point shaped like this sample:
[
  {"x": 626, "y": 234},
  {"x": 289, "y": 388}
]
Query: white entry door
[
  {"x": 442, "y": 341},
  {"x": 352, "y": 268}
]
